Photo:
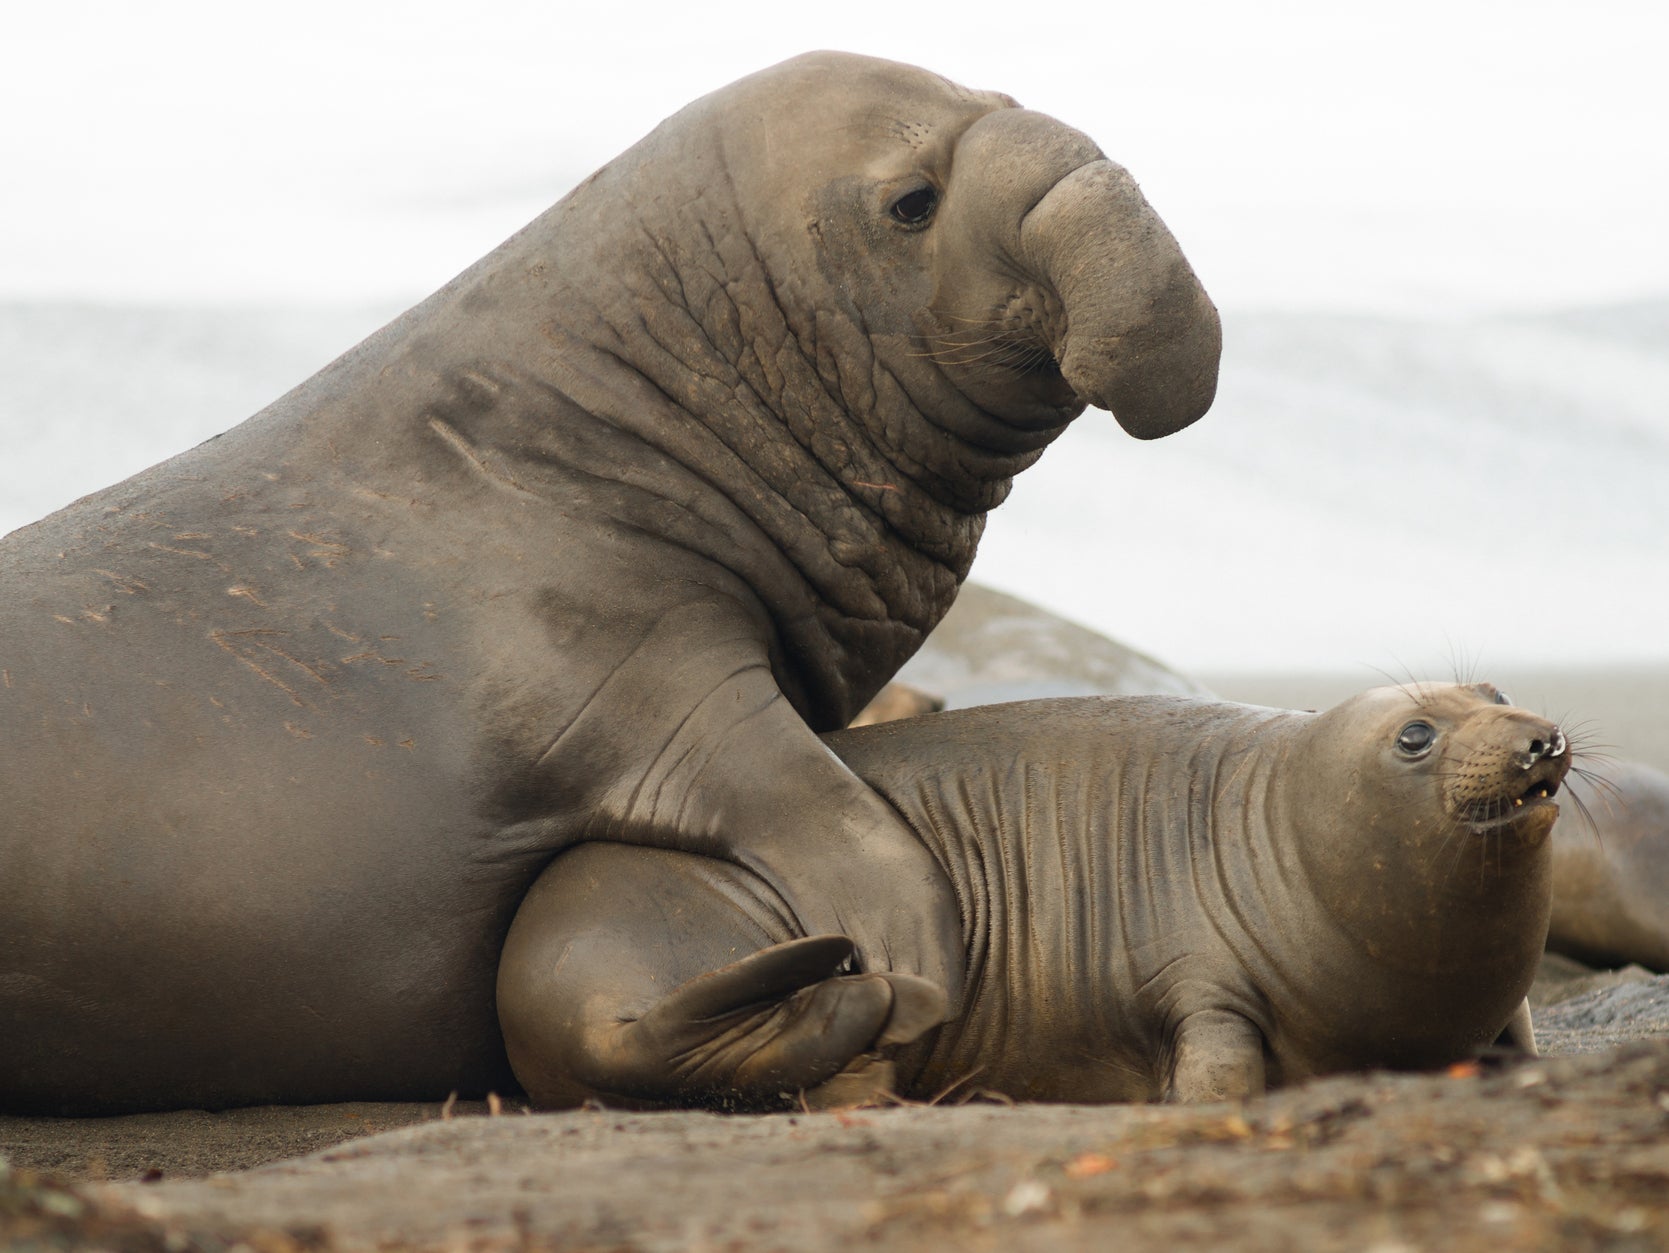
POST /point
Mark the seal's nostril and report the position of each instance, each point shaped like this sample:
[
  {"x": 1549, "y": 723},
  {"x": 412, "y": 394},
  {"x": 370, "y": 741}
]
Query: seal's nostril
[
  {"x": 1537, "y": 748},
  {"x": 1559, "y": 745}
]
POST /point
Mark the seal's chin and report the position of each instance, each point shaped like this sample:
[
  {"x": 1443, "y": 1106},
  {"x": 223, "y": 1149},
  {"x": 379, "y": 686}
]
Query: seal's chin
[
  {"x": 1524, "y": 812},
  {"x": 1024, "y": 388}
]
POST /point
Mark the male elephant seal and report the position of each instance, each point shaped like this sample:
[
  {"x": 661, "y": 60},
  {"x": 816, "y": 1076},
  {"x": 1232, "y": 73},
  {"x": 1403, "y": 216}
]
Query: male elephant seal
[
  {"x": 1160, "y": 897},
  {"x": 587, "y": 546}
]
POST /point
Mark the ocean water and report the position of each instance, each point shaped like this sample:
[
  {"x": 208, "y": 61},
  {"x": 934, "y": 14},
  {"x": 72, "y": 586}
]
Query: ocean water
[{"x": 1414, "y": 494}]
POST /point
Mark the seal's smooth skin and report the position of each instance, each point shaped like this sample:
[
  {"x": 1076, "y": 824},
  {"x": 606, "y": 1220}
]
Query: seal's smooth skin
[
  {"x": 1160, "y": 898},
  {"x": 1611, "y": 869},
  {"x": 586, "y": 547}
]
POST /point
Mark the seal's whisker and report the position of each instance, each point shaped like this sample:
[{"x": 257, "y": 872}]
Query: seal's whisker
[
  {"x": 978, "y": 366},
  {"x": 962, "y": 339},
  {"x": 1108, "y": 1063},
  {"x": 1605, "y": 789},
  {"x": 959, "y": 354},
  {"x": 1457, "y": 838},
  {"x": 959, "y": 341},
  {"x": 968, "y": 362},
  {"x": 1463, "y": 668},
  {"x": 974, "y": 352},
  {"x": 1486, "y": 846},
  {"x": 1592, "y": 759},
  {"x": 1032, "y": 355},
  {"x": 1007, "y": 349},
  {"x": 979, "y": 332},
  {"x": 1452, "y": 840},
  {"x": 943, "y": 1094},
  {"x": 1580, "y": 731},
  {"x": 1022, "y": 357},
  {"x": 1007, "y": 341},
  {"x": 1407, "y": 686},
  {"x": 987, "y": 320},
  {"x": 1419, "y": 687},
  {"x": 1581, "y": 727},
  {"x": 1590, "y": 750},
  {"x": 989, "y": 366},
  {"x": 1585, "y": 818}
]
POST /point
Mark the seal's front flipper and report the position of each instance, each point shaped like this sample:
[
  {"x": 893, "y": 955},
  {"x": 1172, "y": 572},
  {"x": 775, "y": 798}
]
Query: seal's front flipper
[
  {"x": 1217, "y": 1056},
  {"x": 1519, "y": 1032}
]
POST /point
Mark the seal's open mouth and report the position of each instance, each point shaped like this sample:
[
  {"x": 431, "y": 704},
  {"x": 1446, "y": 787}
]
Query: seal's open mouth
[{"x": 1504, "y": 811}]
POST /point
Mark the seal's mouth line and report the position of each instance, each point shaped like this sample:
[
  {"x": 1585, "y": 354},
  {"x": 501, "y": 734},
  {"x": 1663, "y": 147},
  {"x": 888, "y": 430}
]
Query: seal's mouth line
[{"x": 1504, "y": 811}]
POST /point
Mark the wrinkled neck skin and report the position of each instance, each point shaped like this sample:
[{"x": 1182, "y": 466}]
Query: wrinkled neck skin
[
  {"x": 1093, "y": 897},
  {"x": 664, "y": 345},
  {"x": 1168, "y": 870}
]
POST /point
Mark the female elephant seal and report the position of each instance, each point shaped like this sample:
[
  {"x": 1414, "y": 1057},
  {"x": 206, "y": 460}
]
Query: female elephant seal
[
  {"x": 1160, "y": 897},
  {"x": 1611, "y": 869},
  {"x": 587, "y": 546}
]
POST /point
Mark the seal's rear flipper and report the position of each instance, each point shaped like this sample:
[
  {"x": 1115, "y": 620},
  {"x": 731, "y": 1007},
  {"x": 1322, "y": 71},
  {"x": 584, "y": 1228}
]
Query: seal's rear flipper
[
  {"x": 640, "y": 998},
  {"x": 918, "y": 1005},
  {"x": 768, "y": 975},
  {"x": 778, "y": 1021},
  {"x": 1518, "y": 1032}
]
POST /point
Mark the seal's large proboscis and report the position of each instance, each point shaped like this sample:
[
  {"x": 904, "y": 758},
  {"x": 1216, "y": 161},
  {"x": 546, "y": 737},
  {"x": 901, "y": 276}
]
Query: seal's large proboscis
[
  {"x": 1160, "y": 897},
  {"x": 585, "y": 547}
]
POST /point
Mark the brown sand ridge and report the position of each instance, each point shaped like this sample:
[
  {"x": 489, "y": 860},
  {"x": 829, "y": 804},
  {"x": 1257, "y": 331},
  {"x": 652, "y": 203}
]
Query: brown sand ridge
[{"x": 1569, "y": 1151}]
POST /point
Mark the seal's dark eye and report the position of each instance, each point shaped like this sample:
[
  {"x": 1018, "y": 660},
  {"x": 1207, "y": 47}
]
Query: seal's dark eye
[
  {"x": 1416, "y": 738},
  {"x": 915, "y": 207}
]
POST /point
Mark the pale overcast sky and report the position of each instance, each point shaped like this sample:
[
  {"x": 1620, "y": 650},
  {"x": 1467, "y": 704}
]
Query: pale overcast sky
[
  {"x": 1436, "y": 158},
  {"x": 1408, "y": 156}
]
